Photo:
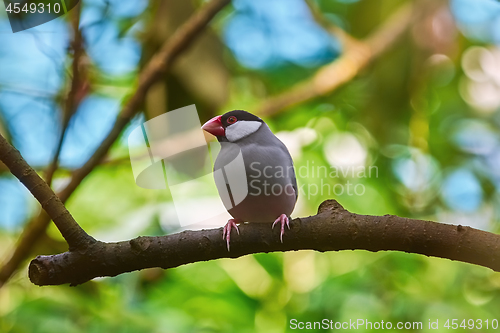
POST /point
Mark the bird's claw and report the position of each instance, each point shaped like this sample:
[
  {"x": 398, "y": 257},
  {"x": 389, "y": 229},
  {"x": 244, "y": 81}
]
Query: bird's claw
[
  {"x": 226, "y": 233},
  {"x": 282, "y": 219}
]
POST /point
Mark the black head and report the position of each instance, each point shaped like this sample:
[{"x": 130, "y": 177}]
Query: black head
[
  {"x": 233, "y": 126},
  {"x": 234, "y": 116}
]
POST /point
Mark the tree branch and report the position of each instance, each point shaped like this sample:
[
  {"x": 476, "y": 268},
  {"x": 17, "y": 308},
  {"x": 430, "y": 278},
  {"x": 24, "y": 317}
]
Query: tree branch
[
  {"x": 74, "y": 96},
  {"x": 357, "y": 55},
  {"x": 345, "y": 38},
  {"x": 332, "y": 229},
  {"x": 160, "y": 63},
  {"x": 74, "y": 235},
  {"x": 37, "y": 226},
  {"x": 157, "y": 66}
]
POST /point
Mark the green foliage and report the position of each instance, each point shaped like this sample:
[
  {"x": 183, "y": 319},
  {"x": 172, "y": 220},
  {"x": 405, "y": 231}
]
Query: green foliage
[{"x": 405, "y": 115}]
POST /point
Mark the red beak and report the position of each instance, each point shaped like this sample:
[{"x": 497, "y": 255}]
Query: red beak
[{"x": 214, "y": 126}]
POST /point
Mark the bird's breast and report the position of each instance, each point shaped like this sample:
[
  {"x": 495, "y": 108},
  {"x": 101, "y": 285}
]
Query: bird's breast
[{"x": 258, "y": 182}]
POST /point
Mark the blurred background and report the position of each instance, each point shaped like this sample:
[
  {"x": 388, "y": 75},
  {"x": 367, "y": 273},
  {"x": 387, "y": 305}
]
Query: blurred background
[{"x": 424, "y": 113}]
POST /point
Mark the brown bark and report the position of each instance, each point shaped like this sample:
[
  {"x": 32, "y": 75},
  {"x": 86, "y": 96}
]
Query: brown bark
[{"x": 332, "y": 229}]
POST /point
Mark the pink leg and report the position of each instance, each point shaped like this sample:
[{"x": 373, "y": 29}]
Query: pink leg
[
  {"x": 283, "y": 219},
  {"x": 226, "y": 234}
]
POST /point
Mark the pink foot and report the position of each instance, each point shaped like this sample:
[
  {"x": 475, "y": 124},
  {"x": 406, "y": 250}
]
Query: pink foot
[
  {"x": 226, "y": 234},
  {"x": 283, "y": 219}
]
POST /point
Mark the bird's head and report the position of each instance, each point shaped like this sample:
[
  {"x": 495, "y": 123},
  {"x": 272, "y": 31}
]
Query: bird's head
[{"x": 234, "y": 125}]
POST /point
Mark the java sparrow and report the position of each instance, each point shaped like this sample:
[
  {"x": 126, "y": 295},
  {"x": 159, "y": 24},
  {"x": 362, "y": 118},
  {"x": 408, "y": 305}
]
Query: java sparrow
[{"x": 268, "y": 167}]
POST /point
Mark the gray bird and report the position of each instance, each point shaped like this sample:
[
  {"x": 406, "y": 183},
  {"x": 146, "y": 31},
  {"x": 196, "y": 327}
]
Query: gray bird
[{"x": 268, "y": 169}]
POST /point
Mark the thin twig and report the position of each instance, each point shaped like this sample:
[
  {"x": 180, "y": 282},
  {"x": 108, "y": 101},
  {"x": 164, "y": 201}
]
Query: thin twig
[
  {"x": 72, "y": 99},
  {"x": 357, "y": 55},
  {"x": 156, "y": 67},
  {"x": 345, "y": 38}
]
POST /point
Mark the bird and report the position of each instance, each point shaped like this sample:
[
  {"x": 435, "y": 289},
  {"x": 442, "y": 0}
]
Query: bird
[{"x": 268, "y": 169}]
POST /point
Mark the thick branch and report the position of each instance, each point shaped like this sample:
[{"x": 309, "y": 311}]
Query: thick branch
[
  {"x": 74, "y": 235},
  {"x": 332, "y": 229}
]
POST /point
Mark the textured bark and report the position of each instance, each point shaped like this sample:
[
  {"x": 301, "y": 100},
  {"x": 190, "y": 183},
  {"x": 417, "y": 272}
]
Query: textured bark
[{"x": 332, "y": 229}]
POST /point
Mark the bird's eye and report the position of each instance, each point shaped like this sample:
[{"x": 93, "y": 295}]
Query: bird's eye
[{"x": 231, "y": 120}]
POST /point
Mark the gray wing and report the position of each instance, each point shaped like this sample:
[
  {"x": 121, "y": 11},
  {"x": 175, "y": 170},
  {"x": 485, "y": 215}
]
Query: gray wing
[{"x": 292, "y": 174}]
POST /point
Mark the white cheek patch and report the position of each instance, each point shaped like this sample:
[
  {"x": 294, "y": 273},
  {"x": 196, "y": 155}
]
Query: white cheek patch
[{"x": 241, "y": 129}]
